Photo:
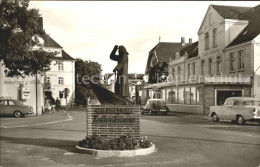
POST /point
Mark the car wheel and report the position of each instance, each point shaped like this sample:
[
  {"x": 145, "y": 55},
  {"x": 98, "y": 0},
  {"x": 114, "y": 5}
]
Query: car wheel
[
  {"x": 215, "y": 118},
  {"x": 240, "y": 120},
  {"x": 17, "y": 114}
]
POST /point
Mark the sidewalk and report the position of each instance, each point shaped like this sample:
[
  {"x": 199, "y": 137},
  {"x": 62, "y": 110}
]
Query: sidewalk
[
  {"x": 33, "y": 120},
  {"x": 188, "y": 115}
]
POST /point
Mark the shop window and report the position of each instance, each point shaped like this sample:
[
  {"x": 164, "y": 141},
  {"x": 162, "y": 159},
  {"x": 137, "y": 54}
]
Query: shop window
[
  {"x": 206, "y": 41},
  {"x": 232, "y": 61},
  {"x": 181, "y": 95},
  {"x": 187, "y": 95},
  {"x": 193, "y": 95},
  {"x": 241, "y": 59}
]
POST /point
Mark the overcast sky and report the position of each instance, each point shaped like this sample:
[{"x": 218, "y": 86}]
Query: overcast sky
[{"x": 90, "y": 29}]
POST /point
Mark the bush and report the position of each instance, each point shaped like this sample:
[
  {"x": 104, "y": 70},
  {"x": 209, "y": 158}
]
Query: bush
[{"x": 119, "y": 143}]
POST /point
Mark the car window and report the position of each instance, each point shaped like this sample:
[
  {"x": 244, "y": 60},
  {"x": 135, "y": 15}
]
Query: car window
[
  {"x": 251, "y": 103},
  {"x": 229, "y": 102},
  {"x": 237, "y": 103},
  {"x": 11, "y": 103},
  {"x": 3, "y": 103}
]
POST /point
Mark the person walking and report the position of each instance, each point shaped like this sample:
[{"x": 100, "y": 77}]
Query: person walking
[{"x": 57, "y": 104}]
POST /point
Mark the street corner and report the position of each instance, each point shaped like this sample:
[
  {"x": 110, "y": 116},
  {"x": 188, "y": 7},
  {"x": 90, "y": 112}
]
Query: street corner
[{"x": 32, "y": 120}]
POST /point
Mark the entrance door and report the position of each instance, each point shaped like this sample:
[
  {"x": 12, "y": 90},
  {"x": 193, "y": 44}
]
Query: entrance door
[{"x": 222, "y": 95}]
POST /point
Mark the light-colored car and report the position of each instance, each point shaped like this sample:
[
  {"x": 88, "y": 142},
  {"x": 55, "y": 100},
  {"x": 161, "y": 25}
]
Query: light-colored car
[
  {"x": 154, "y": 106},
  {"x": 237, "y": 109},
  {"x": 14, "y": 107}
]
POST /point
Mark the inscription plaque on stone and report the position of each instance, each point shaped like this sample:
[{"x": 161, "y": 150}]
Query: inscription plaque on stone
[{"x": 113, "y": 120}]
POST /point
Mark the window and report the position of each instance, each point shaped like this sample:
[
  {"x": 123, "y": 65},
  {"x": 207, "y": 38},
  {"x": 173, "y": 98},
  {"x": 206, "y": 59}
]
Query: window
[
  {"x": 241, "y": 59},
  {"x": 202, "y": 67},
  {"x": 47, "y": 79},
  {"x": 179, "y": 70},
  {"x": 171, "y": 97},
  {"x": 11, "y": 103},
  {"x": 181, "y": 95},
  {"x": 188, "y": 70},
  {"x": 206, "y": 41},
  {"x": 232, "y": 61},
  {"x": 61, "y": 94},
  {"x": 194, "y": 68},
  {"x": 214, "y": 37},
  {"x": 218, "y": 64},
  {"x": 60, "y": 66},
  {"x": 210, "y": 66},
  {"x": 3, "y": 103},
  {"x": 173, "y": 73},
  {"x": 193, "y": 95},
  {"x": 187, "y": 95},
  {"x": 210, "y": 19},
  {"x": 61, "y": 81}
]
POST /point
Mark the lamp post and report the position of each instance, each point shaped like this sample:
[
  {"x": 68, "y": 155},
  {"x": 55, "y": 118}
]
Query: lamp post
[{"x": 137, "y": 91}]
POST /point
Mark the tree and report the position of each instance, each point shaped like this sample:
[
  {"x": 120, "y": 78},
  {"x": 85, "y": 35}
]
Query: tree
[
  {"x": 21, "y": 49},
  {"x": 86, "y": 70},
  {"x": 157, "y": 72}
]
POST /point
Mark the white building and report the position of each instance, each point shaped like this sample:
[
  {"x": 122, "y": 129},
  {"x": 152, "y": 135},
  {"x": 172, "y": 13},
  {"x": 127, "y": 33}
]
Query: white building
[{"x": 61, "y": 74}]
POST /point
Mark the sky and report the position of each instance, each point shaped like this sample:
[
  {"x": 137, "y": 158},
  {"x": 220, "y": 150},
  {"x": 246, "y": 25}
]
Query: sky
[{"x": 90, "y": 29}]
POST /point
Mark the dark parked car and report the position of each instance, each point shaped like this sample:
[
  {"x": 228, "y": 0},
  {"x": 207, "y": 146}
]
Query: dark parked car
[
  {"x": 237, "y": 109},
  {"x": 154, "y": 106},
  {"x": 14, "y": 107}
]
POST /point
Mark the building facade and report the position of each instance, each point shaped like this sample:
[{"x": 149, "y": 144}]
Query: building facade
[
  {"x": 61, "y": 76},
  {"x": 223, "y": 63}
]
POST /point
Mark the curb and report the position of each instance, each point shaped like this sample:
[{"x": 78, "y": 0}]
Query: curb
[{"x": 116, "y": 153}]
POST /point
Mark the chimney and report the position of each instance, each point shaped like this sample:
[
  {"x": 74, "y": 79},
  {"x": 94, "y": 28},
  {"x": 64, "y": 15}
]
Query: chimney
[
  {"x": 190, "y": 40},
  {"x": 182, "y": 41}
]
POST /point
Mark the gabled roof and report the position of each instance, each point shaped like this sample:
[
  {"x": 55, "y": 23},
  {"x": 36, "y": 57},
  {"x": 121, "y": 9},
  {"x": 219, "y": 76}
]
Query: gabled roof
[
  {"x": 191, "y": 50},
  {"x": 230, "y": 12},
  {"x": 166, "y": 50},
  {"x": 252, "y": 30},
  {"x": 49, "y": 42},
  {"x": 65, "y": 56}
]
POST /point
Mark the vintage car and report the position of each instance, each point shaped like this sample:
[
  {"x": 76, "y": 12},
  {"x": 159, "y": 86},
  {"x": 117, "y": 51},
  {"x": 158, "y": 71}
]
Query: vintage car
[
  {"x": 14, "y": 107},
  {"x": 238, "y": 110},
  {"x": 154, "y": 106}
]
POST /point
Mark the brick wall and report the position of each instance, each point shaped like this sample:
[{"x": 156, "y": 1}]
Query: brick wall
[{"x": 113, "y": 120}]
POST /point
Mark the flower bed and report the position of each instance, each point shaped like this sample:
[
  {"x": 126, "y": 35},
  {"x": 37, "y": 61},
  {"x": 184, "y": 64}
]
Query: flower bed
[{"x": 120, "y": 143}]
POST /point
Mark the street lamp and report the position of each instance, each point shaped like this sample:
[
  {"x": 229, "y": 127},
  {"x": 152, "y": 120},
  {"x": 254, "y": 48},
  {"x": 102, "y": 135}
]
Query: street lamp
[{"x": 137, "y": 91}]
